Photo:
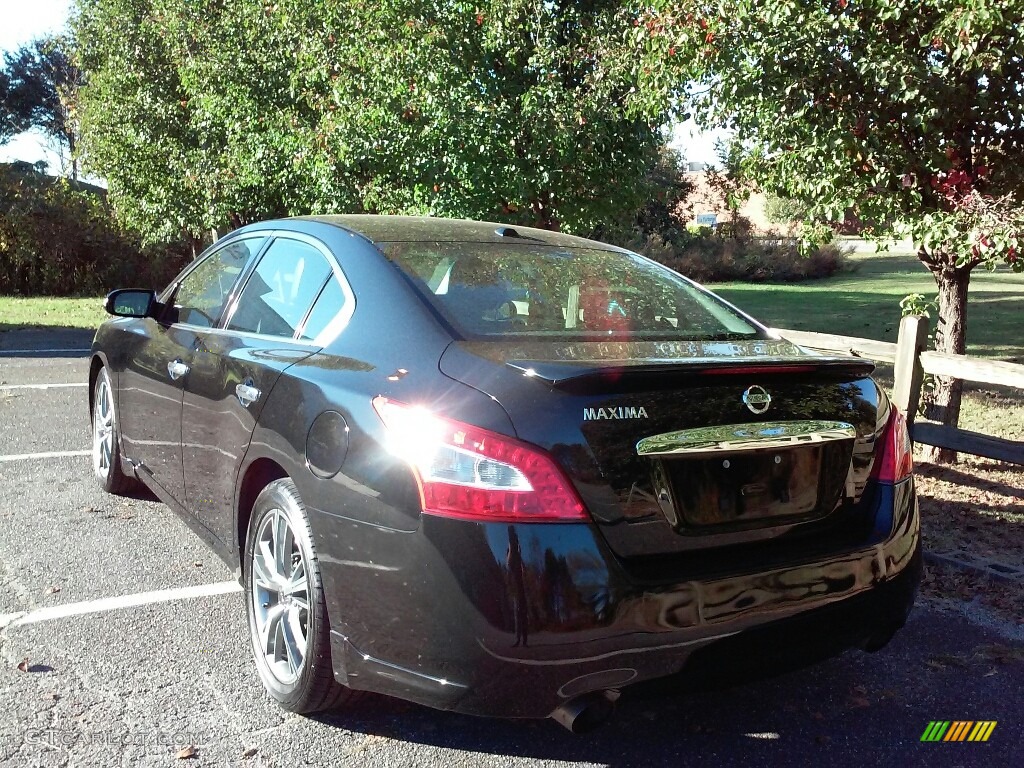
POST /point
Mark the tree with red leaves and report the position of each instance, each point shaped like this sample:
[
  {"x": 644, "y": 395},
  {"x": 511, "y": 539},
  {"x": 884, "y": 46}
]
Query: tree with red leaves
[{"x": 909, "y": 113}]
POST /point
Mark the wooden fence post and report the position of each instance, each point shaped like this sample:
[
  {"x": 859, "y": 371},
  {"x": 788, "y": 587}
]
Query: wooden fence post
[{"x": 908, "y": 374}]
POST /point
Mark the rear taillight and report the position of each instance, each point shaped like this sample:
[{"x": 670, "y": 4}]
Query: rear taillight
[
  {"x": 894, "y": 452},
  {"x": 471, "y": 473}
]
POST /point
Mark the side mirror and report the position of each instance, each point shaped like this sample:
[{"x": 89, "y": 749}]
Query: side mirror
[{"x": 130, "y": 302}]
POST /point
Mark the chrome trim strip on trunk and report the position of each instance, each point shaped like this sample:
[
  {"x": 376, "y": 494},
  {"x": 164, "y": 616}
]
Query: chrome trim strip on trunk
[{"x": 735, "y": 438}]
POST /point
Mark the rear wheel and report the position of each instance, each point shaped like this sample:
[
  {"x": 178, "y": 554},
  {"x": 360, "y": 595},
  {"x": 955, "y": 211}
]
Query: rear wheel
[
  {"x": 106, "y": 448},
  {"x": 288, "y": 623}
]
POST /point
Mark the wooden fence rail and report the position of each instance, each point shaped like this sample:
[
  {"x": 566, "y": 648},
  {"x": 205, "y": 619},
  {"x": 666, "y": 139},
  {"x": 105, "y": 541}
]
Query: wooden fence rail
[{"x": 912, "y": 361}]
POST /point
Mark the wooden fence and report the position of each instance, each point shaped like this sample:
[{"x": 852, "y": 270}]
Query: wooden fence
[{"x": 911, "y": 361}]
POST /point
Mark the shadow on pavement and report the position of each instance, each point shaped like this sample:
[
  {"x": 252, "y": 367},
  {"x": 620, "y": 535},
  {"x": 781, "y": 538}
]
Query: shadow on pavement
[
  {"x": 46, "y": 342},
  {"x": 855, "y": 709}
]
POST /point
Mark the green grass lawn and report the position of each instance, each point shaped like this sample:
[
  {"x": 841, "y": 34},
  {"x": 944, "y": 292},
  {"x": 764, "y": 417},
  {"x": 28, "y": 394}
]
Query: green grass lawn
[
  {"x": 50, "y": 312},
  {"x": 865, "y": 303}
]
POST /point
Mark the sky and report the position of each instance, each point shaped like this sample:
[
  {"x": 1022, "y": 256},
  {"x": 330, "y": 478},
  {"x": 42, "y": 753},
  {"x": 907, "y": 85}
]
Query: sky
[{"x": 24, "y": 20}]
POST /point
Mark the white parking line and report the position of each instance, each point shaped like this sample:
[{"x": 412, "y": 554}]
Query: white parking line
[
  {"x": 115, "y": 603},
  {"x": 41, "y": 351},
  {"x": 5, "y": 387},
  {"x": 43, "y": 455}
]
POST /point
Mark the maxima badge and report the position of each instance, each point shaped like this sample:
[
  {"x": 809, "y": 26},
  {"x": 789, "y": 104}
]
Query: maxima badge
[{"x": 757, "y": 399}]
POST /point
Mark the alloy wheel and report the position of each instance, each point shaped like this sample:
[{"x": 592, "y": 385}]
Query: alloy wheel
[
  {"x": 103, "y": 429},
  {"x": 279, "y": 593}
]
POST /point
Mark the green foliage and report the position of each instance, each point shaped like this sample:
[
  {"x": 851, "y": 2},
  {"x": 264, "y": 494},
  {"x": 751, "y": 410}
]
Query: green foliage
[
  {"x": 898, "y": 110},
  {"x": 10, "y": 121},
  {"x": 917, "y": 304},
  {"x": 784, "y": 210},
  {"x": 59, "y": 238},
  {"x": 42, "y": 89},
  {"x": 138, "y": 130},
  {"x": 216, "y": 113},
  {"x": 868, "y": 104},
  {"x": 665, "y": 191}
]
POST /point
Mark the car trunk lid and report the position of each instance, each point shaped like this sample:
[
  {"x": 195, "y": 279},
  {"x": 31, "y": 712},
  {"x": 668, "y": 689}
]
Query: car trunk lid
[{"x": 688, "y": 445}]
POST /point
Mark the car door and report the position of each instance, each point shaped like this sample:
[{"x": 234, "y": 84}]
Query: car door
[
  {"x": 160, "y": 356},
  {"x": 269, "y": 327}
]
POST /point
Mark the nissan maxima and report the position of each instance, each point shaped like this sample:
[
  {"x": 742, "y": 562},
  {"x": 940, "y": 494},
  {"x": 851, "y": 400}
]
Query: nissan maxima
[{"x": 503, "y": 471}]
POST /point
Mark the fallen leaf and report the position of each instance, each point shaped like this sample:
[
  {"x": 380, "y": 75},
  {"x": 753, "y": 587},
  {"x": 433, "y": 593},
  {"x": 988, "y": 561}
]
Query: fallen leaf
[
  {"x": 23, "y": 665},
  {"x": 250, "y": 751},
  {"x": 52, "y": 590},
  {"x": 949, "y": 660},
  {"x": 187, "y": 753}
]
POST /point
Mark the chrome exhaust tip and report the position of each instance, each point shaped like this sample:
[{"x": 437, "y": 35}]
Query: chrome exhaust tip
[{"x": 586, "y": 713}]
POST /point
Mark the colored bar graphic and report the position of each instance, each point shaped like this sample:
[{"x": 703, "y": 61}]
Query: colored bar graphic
[
  {"x": 935, "y": 731},
  {"x": 958, "y": 730}
]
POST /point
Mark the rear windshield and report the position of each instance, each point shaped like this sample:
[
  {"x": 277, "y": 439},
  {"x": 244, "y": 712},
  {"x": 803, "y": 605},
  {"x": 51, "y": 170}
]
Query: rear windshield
[{"x": 487, "y": 290}]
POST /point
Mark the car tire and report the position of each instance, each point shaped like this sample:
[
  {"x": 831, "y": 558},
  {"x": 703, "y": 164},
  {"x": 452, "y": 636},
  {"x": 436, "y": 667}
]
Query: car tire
[
  {"x": 107, "y": 464},
  {"x": 288, "y": 625}
]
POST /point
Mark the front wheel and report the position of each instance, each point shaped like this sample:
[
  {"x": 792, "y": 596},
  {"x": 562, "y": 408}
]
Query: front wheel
[
  {"x": 288, "y": 623},
  {"x": 106, "y": 449}
]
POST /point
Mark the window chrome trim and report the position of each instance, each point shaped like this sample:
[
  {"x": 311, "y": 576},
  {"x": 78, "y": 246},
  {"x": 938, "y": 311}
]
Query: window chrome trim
[
  {"x": 333, "y": 329},
  {"x": 252, "y": 335},
  {"x": 224, "y": 242},
  {"x": 739, "y": 438}
]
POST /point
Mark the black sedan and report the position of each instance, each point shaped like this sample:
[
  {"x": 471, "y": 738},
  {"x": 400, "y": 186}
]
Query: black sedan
[{"x": 503, "y": 471}]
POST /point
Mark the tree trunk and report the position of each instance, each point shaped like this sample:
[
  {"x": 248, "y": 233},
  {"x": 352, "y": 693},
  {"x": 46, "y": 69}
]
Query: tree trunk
[
  {"x": 950, "y": 337},
  {"x": 73, "y": 155}
]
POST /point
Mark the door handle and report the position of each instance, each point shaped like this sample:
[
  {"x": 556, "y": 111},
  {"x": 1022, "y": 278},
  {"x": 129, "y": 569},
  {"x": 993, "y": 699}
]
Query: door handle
[
  {"x": 246, "y": 393},
  {"x": 176, "y": 369}
]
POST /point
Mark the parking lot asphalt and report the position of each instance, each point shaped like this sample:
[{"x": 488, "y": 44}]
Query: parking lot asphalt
[{"x": 123, "y": 642}]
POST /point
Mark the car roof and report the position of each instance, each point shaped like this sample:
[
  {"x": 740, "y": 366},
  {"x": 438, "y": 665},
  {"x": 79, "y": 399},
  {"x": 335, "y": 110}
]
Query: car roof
[{"x": 382, "y": 229}]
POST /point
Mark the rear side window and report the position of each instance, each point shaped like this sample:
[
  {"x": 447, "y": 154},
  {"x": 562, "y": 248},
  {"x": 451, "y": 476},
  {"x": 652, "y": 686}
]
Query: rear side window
[
  {"x": 203, "y": 292},
  {"x": 327, "y": 313},
  {"x": 491, "y": 290},
  {"x": 282, "y": 288}
]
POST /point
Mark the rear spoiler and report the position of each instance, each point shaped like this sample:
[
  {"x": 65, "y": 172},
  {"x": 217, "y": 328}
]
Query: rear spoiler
[{"x": 576, "y": 375}]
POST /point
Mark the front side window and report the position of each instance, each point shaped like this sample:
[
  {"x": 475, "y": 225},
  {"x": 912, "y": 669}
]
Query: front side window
[
  {"x": 281, "y": 289},
  {"x": 488, "y": 290},
  {"x": 203, "y": 292}
]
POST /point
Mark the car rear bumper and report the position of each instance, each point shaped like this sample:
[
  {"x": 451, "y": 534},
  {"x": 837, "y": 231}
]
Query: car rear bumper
[{"x": 515, "y": 620}]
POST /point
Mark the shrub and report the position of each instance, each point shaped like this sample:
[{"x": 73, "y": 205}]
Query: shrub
[
  {"x": 710, "y": 259},
  {"x": 59, "y": 238}
]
